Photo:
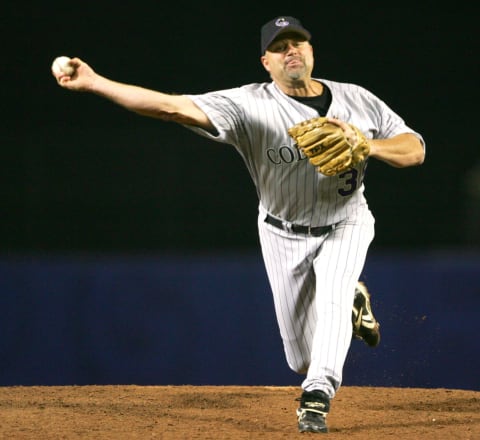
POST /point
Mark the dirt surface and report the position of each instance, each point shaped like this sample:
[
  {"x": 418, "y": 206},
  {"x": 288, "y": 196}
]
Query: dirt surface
[{"x": 232, "y": 412}]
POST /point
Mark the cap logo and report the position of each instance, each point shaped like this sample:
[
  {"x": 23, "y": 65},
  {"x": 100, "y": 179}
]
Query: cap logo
[{"x": 281, "y": 22}]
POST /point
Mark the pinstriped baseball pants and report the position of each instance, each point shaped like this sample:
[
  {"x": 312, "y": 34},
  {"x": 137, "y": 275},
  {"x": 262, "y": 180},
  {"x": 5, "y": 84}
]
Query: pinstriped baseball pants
[{"x": 313, "y": 283}]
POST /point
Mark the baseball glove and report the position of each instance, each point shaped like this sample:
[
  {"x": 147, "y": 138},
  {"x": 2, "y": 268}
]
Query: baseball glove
[{"x": 327, "y": 147}]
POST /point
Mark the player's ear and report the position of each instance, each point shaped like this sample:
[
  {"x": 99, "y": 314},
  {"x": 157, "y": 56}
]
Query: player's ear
[{"x": 264, "y": 61}]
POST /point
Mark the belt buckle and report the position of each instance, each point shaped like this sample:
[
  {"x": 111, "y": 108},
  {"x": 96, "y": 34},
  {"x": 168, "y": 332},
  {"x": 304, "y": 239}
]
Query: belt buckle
[{"x": 287, "y": 226}]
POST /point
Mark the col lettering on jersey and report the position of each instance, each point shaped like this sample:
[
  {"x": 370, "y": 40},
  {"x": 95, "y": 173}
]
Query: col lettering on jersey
[{"x": 284, "y": 153}]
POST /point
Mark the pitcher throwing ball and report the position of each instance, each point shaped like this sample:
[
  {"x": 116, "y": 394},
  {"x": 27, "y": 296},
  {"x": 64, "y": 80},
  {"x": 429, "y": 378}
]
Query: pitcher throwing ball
[{"x": 314, "y": 223}]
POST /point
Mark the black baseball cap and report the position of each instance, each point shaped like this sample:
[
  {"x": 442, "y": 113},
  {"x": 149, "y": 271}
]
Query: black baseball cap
[{"x": 279, "y": 25}]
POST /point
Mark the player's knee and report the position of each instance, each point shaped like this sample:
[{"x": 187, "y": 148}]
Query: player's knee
[{"x": 299, "y": 366}]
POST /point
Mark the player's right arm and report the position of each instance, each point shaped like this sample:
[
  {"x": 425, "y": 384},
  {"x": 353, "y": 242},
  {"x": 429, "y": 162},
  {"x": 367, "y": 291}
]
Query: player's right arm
[{"x": 146, "y": 102}]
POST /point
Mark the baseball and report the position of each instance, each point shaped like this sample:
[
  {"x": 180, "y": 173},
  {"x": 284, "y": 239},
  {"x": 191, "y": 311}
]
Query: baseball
[{"x": 61, "y": 66}]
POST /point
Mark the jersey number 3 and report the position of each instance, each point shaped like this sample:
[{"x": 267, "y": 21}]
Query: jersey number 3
[{"x": 351, "y": 182}]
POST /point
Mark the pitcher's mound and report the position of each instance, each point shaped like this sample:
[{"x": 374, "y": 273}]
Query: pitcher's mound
[{"x": 232, "y": 413}]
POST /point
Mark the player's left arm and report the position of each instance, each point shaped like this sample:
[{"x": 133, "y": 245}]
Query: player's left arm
[
  {"x": 400, "y": 151},
  {"x": 403, "y": 150}
]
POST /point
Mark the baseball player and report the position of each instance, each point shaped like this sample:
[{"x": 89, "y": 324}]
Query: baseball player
[{"x": 314, "y": 230}]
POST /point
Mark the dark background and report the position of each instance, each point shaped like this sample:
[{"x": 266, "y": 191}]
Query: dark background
[{"x": 81, "y": 174}]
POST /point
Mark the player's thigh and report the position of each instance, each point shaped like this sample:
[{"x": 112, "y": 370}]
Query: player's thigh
[
  {"x": 289, "y": 265},
  {"x": 342, "y": 258}
]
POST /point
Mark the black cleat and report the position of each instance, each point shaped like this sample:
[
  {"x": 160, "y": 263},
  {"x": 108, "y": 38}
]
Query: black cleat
[
  {"x": 365, "y": 326},
  {"x": 312, "y": 414}
]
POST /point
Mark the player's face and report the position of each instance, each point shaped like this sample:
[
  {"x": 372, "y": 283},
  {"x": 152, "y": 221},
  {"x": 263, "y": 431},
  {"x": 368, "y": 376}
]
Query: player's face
[{"x": 289, "y": 58}]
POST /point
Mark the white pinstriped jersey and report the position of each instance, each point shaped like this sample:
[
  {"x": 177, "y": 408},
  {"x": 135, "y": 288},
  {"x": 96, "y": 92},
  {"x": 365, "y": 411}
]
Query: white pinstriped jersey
[{"x": 255, "y": 118}]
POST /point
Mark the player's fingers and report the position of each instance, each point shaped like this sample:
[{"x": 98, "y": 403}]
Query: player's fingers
[
  {"x": 63, "y": 80},
  {"x": 58, "y": 76},
  {"x": 348, "y": 131},
  {"x": 76, "y": 62},
  {"x": 343, "y": 125},
  {"x": 66, "y": 81}
]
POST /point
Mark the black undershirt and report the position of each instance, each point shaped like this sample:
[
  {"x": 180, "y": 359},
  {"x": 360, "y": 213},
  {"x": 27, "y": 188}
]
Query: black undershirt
[{"x": 320, "y": 103}]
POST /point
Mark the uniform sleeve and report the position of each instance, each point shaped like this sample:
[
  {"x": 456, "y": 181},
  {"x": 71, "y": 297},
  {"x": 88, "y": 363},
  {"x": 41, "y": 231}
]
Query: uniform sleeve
[{"x": 225, "y": 113}]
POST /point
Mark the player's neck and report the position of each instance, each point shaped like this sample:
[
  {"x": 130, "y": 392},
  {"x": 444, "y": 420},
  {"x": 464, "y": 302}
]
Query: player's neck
[{"x": 302, "y": 88}]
